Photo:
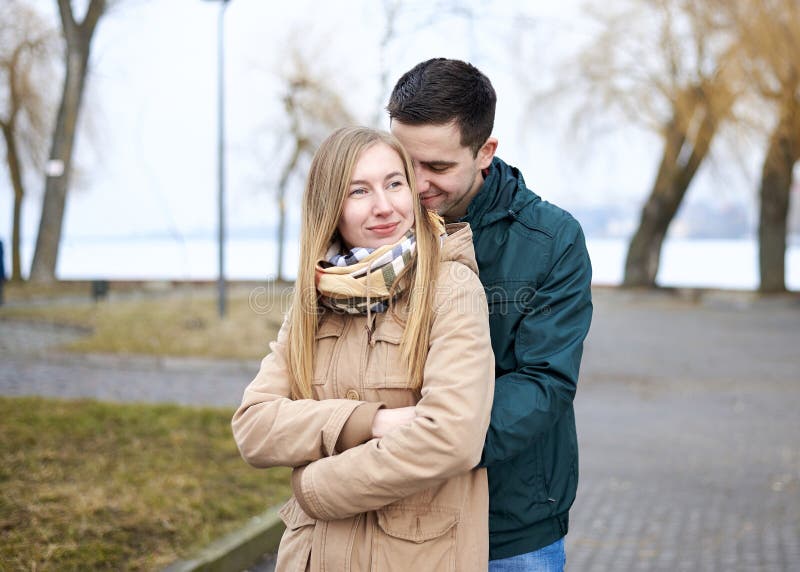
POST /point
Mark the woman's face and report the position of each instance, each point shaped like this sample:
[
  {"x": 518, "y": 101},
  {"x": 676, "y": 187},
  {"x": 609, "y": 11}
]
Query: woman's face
[{"x": 378, "y": 207}]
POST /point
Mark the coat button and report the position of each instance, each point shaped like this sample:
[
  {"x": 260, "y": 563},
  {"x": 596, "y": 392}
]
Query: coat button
[{"x": 352, "y": 394}]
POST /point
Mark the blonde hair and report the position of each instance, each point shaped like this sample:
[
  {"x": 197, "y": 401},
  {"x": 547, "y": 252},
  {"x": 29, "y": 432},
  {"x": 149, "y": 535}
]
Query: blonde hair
[{"x": 323, "y": 200}]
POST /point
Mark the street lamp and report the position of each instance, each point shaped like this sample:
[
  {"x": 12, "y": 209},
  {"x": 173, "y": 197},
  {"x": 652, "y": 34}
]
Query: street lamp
[{"x": 221, "y": 302}]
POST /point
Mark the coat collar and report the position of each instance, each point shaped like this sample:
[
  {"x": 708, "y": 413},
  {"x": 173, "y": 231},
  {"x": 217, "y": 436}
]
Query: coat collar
[{"x": 502, "y": 195}]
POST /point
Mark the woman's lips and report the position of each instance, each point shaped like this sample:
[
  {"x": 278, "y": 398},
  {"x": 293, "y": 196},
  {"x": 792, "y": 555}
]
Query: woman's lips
[{"x": 384, "y": 229}]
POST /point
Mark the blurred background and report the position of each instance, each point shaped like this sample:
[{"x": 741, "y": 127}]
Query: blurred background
[
  {"x": 683, "y": 107},
  {"x": 132, "y": 158}
]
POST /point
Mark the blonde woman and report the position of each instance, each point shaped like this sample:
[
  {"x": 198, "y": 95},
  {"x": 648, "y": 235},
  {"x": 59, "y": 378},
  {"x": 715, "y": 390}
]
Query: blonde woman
[{"x": 379, "y": 387}]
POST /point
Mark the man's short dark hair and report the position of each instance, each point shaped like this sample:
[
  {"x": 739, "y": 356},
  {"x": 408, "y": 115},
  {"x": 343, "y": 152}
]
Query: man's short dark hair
[{"x": 441, "y": 90}]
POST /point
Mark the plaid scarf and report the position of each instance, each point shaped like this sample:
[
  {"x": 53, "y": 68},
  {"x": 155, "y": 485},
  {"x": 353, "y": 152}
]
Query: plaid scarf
[{"x": 360, "y": 281}]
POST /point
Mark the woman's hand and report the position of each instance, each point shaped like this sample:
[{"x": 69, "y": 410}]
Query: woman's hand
[{"x": 387, "y": 420}]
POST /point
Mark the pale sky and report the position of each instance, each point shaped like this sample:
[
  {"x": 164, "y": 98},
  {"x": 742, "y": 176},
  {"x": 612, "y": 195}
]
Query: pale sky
[{"x": 147, "y": 147}]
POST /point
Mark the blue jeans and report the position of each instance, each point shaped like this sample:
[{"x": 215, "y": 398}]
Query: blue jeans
[{"x": 548, "y": 559}]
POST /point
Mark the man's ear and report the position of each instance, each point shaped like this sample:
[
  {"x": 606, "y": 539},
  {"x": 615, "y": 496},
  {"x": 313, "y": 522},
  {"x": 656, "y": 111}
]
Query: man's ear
[{"x": 486, "y": 153}]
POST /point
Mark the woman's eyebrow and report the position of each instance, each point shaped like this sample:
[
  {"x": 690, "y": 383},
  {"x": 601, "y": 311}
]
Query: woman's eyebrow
[{"x": 386, "y": 178}]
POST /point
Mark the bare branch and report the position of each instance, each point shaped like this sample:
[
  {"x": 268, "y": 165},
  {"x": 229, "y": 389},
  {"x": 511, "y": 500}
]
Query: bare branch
[
  {"x": 93, "y": 14},
  {"x": 68, "y": 23}
]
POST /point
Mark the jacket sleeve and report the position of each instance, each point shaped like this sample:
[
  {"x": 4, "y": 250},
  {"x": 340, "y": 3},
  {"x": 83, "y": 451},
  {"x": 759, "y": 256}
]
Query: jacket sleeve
[
  {"x": 272, "y": 430},
  {"x": 452, "y": 415},
  {"x": 548, "y": 348}
]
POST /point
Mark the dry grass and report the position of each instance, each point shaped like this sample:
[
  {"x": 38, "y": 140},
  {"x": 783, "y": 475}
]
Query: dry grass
[
  {"x": 31, "y": 291},
  {"x": 180, "y": 322},
  {"x": 93, "y": 486}
]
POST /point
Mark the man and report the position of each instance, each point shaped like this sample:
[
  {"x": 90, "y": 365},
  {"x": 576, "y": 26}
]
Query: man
[{"x": 536, "y": 271}]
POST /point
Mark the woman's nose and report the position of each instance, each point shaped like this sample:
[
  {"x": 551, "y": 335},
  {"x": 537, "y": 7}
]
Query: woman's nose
[{"x": 382, "y": 204}]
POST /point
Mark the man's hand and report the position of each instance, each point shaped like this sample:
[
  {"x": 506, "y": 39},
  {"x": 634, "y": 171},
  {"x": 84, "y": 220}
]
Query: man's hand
[{"x": 386, "y": 420}]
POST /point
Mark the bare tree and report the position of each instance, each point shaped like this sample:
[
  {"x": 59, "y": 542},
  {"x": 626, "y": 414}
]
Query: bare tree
[
  {"x": 78, "y": 37},
  {"x": 664, "y": 65},
  {"x": 313, "y": 109},
  {"x": 401, "y": 20},
  {"x": 26, "y": 49},
  {"x": 769, "y": 32},
  {"x": 391, "y": 12},
  {"x": 697, "y": 114}
]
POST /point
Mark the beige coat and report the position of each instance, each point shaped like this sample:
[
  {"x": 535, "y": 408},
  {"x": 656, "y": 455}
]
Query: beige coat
[{"x": 411, "y": 500}]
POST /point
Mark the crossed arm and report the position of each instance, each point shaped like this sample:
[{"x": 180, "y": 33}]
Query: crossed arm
[{"x": 444, "y": 437}]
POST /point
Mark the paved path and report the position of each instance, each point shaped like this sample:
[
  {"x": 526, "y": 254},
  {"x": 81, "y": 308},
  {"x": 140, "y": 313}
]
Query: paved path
[
  {"x": 689, "y": 436},
  {"x": 687, "y": 418},
  {"x": 28, "y": 368}
]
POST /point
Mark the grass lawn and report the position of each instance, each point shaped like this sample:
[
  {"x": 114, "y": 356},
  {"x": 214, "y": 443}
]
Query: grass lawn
[
  {"x": 32, "y": 291},
  {"x": 96, "y": 486},
  {"x": 182, "y": 321}
]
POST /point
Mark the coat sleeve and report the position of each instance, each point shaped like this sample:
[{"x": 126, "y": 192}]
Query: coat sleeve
[
  {"x": 272, "y": 430},
  {"x": 548, "y": 348},
  {"x": 447, "y": 435}
]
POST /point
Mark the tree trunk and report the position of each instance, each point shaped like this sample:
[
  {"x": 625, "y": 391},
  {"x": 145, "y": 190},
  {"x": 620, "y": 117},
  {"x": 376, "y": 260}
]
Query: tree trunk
[
  {"x": 641, "y": 264},
  {"x": 78, "y": 39},
  {"x": 675, "y": 174},
  {"x": 390, "y": 14},
  {"x": 15, "y": 169},
  {"x": 16, "y": 240},
  {"x": 776, "y": 182}
]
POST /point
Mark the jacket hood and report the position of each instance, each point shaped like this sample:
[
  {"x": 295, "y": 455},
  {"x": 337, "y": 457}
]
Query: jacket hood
[
  {"x": 458, "y": 247},
  {"x": 503, "y": 194}
]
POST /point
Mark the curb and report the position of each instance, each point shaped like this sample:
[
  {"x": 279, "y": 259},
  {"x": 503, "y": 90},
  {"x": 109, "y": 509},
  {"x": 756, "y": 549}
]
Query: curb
[{"x": 239, "y": 549}]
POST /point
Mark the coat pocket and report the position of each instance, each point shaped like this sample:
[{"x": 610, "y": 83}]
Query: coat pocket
[
  {"x": 385, "y": 368},
  {"x": 327, "y": 338},
  {"x": 415, "y": 538},
  {"x": 295, "y": 545}
]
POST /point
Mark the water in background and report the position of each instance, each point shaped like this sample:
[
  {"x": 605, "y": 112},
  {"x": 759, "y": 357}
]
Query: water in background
[{"x": 730, "y": 264}]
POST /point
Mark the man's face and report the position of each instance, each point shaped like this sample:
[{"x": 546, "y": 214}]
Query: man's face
[{"x": 448, "y": 175}]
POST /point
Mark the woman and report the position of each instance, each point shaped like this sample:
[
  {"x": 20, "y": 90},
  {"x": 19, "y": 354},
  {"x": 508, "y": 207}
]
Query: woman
[{"x": 379, "y": 387}]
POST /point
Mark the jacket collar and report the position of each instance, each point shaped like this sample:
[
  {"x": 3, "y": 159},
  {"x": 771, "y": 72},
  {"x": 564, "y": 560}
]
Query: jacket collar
[{"x": 502, "y": 195}]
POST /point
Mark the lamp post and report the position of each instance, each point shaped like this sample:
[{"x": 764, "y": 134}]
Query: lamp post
[{"x": 221, "y": 301}]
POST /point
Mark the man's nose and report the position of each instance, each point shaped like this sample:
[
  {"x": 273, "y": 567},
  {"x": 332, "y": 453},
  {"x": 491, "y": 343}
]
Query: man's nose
[{"x": 423, "y": 182}]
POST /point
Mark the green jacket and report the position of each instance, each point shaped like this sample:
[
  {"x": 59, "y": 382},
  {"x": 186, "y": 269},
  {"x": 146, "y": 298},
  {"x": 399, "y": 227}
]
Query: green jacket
[{"x": 536, "y": 272}]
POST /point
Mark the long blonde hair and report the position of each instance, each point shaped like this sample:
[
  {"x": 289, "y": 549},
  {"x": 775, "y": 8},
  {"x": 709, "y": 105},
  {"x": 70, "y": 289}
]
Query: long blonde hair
[{"x": 323, "y": 201}]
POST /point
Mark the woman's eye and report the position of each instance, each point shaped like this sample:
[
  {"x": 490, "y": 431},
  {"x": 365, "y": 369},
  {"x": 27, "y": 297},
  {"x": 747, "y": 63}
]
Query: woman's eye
[
  {"x": 395, "y": 184},
  {"x": 358, "y": 191}
]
